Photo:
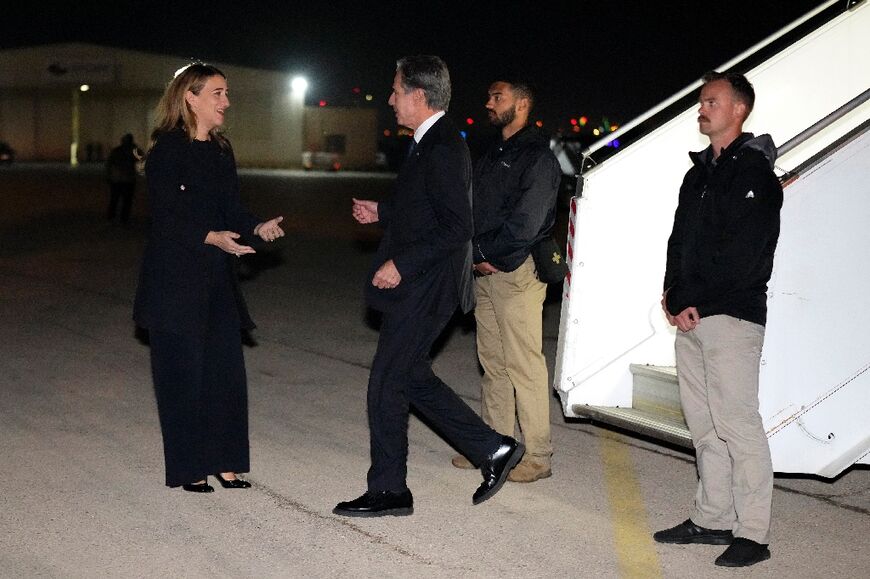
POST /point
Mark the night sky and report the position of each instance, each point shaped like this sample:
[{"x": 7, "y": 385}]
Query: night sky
[{"x": 596, "y": 58}]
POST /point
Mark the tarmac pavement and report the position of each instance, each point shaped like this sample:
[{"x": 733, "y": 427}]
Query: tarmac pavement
[{"x": 83, "y": 492}]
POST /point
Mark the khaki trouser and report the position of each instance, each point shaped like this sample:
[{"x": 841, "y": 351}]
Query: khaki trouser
[
  {"x": 509, "y": 347},
  {"x": 717, "y": 367}
]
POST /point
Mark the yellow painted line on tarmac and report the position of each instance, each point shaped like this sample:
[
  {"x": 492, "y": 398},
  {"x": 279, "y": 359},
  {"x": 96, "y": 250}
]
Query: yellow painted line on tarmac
[{"x": 635, "y": 549}]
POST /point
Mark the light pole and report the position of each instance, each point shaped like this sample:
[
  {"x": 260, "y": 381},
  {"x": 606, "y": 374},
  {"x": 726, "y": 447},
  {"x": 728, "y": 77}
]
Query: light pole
[
  {"x": 298, "y": 86},
  {"x": 74, "y": 145}
]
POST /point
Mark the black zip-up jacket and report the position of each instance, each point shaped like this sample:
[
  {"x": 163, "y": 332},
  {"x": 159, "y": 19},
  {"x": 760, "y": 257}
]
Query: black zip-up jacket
[
  {"x": 720, "y": 253},
  {"x": 515, "y": 188}
]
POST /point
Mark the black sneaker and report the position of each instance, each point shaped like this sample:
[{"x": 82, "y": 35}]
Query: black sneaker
[
  {"x": 688, "y": 532},
  {"x": 743, "y": 553}
]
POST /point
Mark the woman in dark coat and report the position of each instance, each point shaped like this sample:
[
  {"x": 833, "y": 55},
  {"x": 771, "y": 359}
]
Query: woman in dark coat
[{"x": 188, "y": 296}]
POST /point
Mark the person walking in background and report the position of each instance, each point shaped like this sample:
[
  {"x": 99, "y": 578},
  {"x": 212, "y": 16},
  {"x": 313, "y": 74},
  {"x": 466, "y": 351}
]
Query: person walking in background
[
  {"x": 515, "y": 187},
  {"x": 188, "y": 295},
  {"x": 121, "y": 175},
  {"x": 719, "y": 261},
  {"x": 421, "y": 273}
]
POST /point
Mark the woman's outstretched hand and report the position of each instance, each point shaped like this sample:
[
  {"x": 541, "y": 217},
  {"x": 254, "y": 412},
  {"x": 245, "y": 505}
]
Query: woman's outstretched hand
[
  {"x": 270, "y": 230},
  {"x": 225, "y": 240}
]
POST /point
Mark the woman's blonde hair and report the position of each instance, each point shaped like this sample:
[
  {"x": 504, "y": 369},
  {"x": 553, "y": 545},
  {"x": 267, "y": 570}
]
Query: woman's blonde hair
[{"x": 173, "y": 111}]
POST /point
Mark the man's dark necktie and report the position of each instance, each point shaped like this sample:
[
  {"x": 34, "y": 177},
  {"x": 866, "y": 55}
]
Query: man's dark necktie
[{"x": 411, "y": 146}]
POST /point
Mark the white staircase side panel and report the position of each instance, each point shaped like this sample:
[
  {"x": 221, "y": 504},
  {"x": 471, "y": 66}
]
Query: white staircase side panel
[{"x": 815, "y": 373}]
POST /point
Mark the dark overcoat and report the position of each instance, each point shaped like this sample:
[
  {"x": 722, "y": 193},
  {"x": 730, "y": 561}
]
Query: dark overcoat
[{"x": 193, "y": 188}]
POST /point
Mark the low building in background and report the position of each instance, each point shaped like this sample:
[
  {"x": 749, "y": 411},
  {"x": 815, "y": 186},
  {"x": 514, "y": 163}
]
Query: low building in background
[
  {"x": 65, "y": 102},
  {"x": 340, "y": 138}
]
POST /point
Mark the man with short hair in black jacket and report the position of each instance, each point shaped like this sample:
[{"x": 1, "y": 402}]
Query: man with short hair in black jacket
[
  {"x": 720, "y": 258},
  {"x": 515, "y": 188}
]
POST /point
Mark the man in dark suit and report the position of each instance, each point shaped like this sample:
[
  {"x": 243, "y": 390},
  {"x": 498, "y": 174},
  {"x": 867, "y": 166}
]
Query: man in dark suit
[{"x": 422, "y": 271}]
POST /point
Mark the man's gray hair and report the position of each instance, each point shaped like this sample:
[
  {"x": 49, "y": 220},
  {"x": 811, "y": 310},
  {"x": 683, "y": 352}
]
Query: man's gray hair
[{"x": 430, "y": 74}]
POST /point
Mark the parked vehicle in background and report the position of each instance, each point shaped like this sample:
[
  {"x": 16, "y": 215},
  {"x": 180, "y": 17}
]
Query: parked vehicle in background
[
  {"x": 7, "y": 153},
  {"x": 321, "y": 161}
]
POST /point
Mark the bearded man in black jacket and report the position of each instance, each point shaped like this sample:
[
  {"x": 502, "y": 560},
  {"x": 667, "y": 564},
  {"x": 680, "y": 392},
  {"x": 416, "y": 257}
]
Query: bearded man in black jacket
[
  {"x": 720, "y": 258},
  {"x": 515, "y": 187}
]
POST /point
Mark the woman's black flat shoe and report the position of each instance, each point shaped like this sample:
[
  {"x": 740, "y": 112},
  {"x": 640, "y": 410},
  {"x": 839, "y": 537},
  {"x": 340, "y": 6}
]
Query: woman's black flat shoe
[
  {"x": 235, "y": 483},
  {"x": 198, "y": 488}
]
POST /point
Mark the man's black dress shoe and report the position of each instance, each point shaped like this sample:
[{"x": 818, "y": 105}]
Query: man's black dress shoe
[
  {"x": 377, "y": 504},
  {"x": 235, "y": 483},
  {"x": 496, "y": 468},
  {"x": 743, "y": 553},
  {"x": 688, "y": 532},
  {"x": 198, "y": 488}
]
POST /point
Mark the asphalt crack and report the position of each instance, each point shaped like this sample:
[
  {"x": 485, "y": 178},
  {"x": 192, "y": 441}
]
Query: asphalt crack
[{"x": 283, "y": 502}]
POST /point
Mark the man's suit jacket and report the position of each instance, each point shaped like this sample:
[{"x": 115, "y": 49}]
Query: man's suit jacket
[{"x": 428, "y": 227}]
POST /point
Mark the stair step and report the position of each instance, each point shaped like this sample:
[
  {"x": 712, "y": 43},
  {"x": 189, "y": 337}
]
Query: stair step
[
  {"x": 646, "y": 423},
  {"x": 656, "y": 391}
]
